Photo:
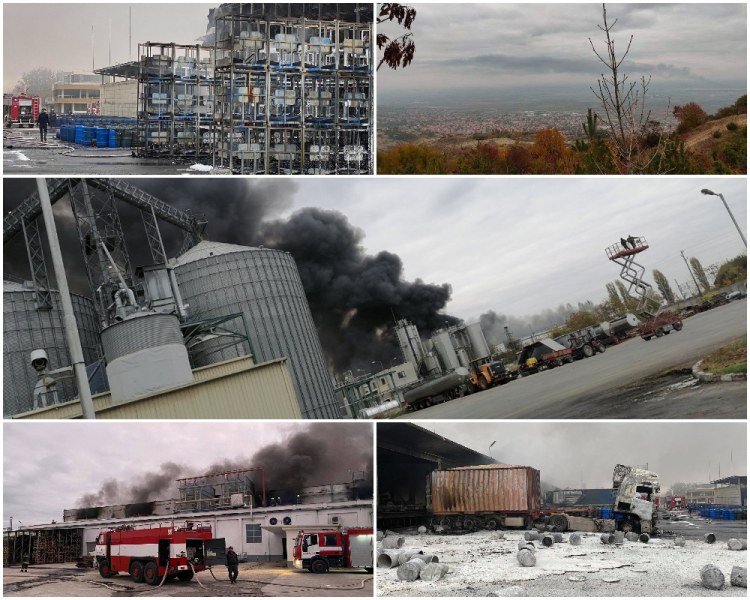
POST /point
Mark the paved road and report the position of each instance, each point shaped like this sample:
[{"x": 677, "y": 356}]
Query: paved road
[{"x": 566, "y": 392}]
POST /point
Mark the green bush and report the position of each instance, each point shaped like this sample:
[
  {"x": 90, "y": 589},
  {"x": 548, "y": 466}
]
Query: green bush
[
  {"x": 732, "y": 126},
  {"x": 717, "y": 134}
]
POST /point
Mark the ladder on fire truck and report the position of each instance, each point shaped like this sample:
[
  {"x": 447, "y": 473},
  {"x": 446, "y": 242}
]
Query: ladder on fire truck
[{"x": 623, "y": 253}]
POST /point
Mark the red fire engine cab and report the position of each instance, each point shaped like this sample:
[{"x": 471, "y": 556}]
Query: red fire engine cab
[
  {"x": 20, "y": 110},
  {"x": 152, "y": 554},
  {"x": 320, "y": 551}
]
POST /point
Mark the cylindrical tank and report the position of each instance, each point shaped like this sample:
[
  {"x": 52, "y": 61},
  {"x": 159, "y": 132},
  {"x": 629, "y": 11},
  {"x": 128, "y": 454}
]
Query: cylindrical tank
[
  {"x": 264, "y": 285},
  {"x": 410, "y": 343},
  {"x": 25, "y": 329},
  {"x": 463, "y": 357},
  {"x": 443, "y": 345},
  {"x": 145, "y": 354},
  {"x": 431, "y": 365},
  {"x": 433, "y": 387},
  {"x": 479, "y": 347},
  {"x": 623, "y": 324}
]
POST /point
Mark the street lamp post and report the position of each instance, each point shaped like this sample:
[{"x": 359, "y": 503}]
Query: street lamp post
[
  {"x": 490, "y": 448},
  {"x": 731, "y": 216}
]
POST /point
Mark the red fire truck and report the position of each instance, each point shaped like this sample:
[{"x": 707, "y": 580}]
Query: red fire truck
[
  {"x": 152, "y": 554},
  {"x": 20, "y": 110},
  {"x": 320, "y": 551}
]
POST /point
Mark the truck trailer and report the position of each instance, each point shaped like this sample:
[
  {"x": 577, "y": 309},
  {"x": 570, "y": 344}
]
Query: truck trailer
[{"x": 501, "y": 496}]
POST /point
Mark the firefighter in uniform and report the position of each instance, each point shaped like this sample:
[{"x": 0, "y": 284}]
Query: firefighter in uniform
[{"x": 233, "y": 562}]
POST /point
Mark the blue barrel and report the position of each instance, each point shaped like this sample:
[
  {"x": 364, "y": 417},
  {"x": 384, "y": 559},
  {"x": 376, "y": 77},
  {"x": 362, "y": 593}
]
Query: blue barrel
[
  {"x": 112, "y": 134},
  {"x": 607, "y": 513},
  {"x": 102, "y": 137},
  {"x": 79, "y": 135},
  {"x": 712, "y": 513}
]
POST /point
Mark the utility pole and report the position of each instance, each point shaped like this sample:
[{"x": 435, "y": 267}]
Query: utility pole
[
  {"x": 695, "y": 281},
  {"x": 69, "y": 320}
]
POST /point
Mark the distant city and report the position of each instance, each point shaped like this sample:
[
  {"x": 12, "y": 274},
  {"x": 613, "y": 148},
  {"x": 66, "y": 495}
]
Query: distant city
[{"x": 421, "y": 115}]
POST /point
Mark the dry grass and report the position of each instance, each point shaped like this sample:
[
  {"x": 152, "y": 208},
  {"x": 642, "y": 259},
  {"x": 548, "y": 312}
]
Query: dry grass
[{"x": 729, "y": 359}]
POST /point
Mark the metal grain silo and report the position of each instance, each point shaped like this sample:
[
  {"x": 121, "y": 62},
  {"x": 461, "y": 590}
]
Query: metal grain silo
[
  {"x": 443, "y": 344},
  {"x": 25, "y": 329},
  {"x": 264, "y": 285}
]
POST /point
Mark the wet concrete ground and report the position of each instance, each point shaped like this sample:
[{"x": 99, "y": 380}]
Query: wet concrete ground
[
  {"x": 254, "y": 580},
  {"x": 25, "y": 154}
]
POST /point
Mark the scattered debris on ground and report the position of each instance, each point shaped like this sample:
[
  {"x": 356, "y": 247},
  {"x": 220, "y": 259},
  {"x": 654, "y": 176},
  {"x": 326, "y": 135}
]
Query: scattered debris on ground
[{"x": 525, "y": 563}]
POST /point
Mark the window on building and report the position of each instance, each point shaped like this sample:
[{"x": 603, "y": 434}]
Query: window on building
[
  {"x": 382, "y": 381},
  {"x": 402, "y": 374},
  {"x": 253, "y": 534}
]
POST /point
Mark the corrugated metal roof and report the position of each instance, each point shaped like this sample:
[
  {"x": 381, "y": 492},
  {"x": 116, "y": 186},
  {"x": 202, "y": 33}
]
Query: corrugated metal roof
[{"x": 204, "y": 249}]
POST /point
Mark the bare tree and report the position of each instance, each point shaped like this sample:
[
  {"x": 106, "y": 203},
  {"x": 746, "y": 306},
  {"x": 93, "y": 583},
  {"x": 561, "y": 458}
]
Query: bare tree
[
  {"x": 398, "y": 51},
  {"x": 623, "y": 101}
]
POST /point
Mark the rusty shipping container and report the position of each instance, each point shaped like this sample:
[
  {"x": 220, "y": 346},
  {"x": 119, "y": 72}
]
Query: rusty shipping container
[{"x": 485, "y": 489}]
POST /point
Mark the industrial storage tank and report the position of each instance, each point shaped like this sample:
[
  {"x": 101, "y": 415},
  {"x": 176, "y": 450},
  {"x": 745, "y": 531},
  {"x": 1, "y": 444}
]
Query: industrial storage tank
[
  {"x": 485, "y": 489},
  {"x": 479, "y": 347},
  {"x": 145, "y": 354},
  {"x": 25, "y": 329},
  {"x": 442, "y": 342},
  {"x": 410, "y": 343},
  {"x": 264, "y": 285}
]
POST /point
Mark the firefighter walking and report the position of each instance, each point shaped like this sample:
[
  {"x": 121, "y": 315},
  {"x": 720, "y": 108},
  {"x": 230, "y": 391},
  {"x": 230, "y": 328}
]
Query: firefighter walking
[
  {"x": 43, "y": 121},
  {"x": 233, "y": 564}
]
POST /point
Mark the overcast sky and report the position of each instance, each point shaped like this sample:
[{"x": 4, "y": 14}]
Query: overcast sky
[
  {"x": 47, "y": 467},
  {"x": 58, "y": 36},
  {"x": 486, "y": 44},
  {"x": 584, "y": 454},
  {"x": 520, "y": 245}
]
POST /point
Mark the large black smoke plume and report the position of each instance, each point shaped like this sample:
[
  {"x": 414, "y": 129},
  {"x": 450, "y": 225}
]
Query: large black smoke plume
[
  {"x": 354, "y": 297},
  {"x": 319, "y": 454}
]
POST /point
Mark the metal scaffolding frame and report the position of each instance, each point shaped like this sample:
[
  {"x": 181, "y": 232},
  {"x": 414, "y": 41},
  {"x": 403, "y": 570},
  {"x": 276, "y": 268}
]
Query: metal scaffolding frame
[{"x": 292, "y": 95}]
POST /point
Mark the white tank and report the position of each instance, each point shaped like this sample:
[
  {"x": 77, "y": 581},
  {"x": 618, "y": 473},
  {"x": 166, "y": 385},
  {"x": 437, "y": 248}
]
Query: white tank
[
  {"x": 145, "y": 354},
  {"x": 479, "y": 347},
  {"x": 463, "y": 357},
  {"x": 443, "y": 344}
]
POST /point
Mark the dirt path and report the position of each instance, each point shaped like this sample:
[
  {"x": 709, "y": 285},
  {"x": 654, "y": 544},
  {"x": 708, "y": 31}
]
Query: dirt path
[{"x": 705, "y": 132}]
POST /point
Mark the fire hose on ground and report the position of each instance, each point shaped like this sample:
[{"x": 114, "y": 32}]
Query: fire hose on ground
[{"x": 298, "y": 585}]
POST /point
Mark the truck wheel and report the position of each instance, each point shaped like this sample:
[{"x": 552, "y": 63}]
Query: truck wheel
[
  {"x": 470, "y": 523},
  {"x": 492, "y": 524},
  {"x": 646, "y": 337},
  {"x": 185, "y": 575},
  {"x": 105, "y": 570},
  {"x": 601, "y": 348},
  {"x": 136, "y": 571},
  {"x": 151, "y": 573},
  {"x": 319, "y": 566},
  {"x": 559, "y": 522},
  {"x": 677, "y": 326},
  {"x": 588, "y": 351},
  {"x": 659, "y": 332}
]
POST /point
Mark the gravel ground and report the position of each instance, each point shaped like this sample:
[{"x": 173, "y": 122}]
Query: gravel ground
[{"x": 480, "y": 565}]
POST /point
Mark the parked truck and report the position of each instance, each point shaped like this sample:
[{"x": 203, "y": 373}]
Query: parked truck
[
  {"x": 154, "y": 554},
  {"x": 491, "y": 374},
  {"x": 20, "y": 110},
  {"x": 319, "y": 551},
  {"x": 499, "y": 496},
  {"x": 660, "y": 325},
  {"x": 541, "y": 355},
  {"x": 439, "y": 389}
]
